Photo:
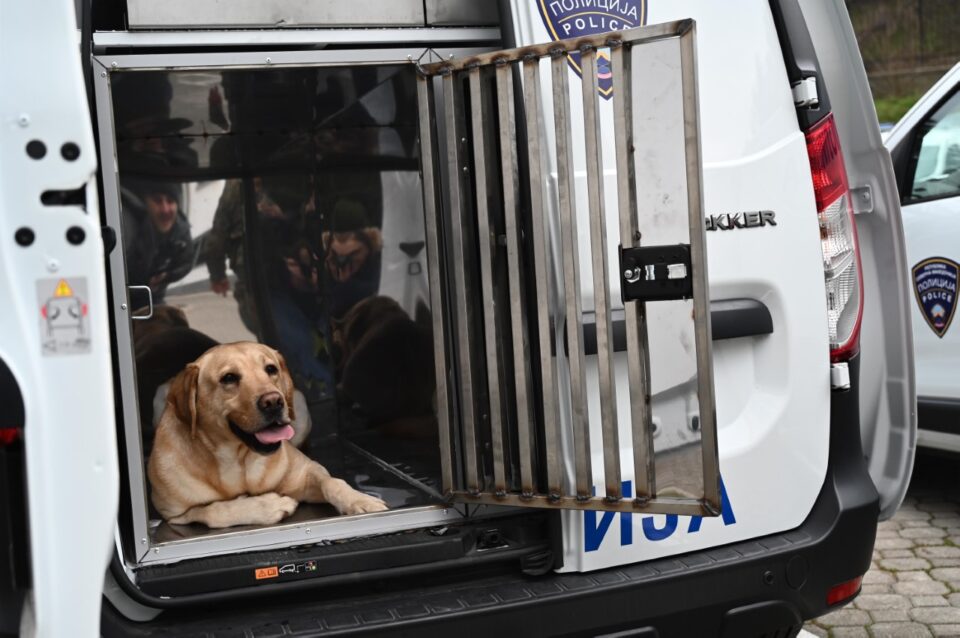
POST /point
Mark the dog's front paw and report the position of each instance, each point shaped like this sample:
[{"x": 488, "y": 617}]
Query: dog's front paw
[
  {"x": 362, "y": 504},
  {"x": 274, "y": 507}
]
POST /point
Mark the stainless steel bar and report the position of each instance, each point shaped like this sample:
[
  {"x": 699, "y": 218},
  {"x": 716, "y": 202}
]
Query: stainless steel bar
[
  {"x": 487, "y": 243},
  {"x": 601, "y": 277},
  {"x": 463, "y": 307},
  {"x": 542, "y": 268},
  {"x": 518, "y": 310},
  {"x": 679, "y": 506},
  {"x": 431, "y": 213},
  {"x": 648, "y": 33},
  {"x": 635, "y": 314},
  {"x": 566, "y": 198},
  {"x": 698, "y": 259}
]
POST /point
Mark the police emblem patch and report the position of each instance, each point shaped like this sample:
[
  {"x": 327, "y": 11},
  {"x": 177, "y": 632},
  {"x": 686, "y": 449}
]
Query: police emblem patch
[
  {"x": 935, "y": 283},
  {"x": 573, "y": 18}
]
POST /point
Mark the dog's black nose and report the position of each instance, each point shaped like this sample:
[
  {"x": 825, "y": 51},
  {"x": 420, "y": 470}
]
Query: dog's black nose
[{"x": 270, "y": 402}]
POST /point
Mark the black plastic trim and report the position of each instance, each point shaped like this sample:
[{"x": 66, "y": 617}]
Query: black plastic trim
[
  {"x": 13, "y": 414},
  {"x": 730, "y": 319},
  {"x": 15, "y": 574},
  {"x": 799, "y": 57},
  {"x": 749, "y": 588},
  {"x": 938, "y": 415},
  {"x": 734, "y": 318},
  {"x": 191, "y": 583},
  {"x": 371, "y": 558}
]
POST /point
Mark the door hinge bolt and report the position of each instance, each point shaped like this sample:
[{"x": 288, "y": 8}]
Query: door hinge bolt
[{"x": 23, "y": 120}]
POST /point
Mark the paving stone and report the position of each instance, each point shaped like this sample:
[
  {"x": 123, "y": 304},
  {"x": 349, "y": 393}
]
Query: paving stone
[
  {"x": 946, "y": 573},
  {"x": 923, "y": 532},
  {"x": 849, "y": 632},
  {"x": 946, "y": 630},
  {"x": 819, "y": 632},
  {"x": 899, "y": 630},
  {"x": 921, "y": 588},
  {"x": 933, "y": 540},
  {"x": 911, "y": 576},
  {"x": 936, "y": 615},
  {"x": 937, "y": 506},
  {"x": 891, "y": 525},
  {"x": 893, "y": 543},
  {"x": 887, "y": 533},
  {"x": 954, "y": 599},
  {"x": 944, "y": 551},
  {"x": 909, "y": 514},
  {"x": 876, "y": 556},
  {"x": 905, "y": 564},
  {"x": 920, "y": 522},
  {"x": 897, "y": 553},
  {"x": 890, "y": 615},
  {"x": 929, "y": 601},
  {"x": 882, "y": 601},
  {"x": 881, "y": 588},
  {"x": 845, "y": 617},
  {"x": 880, "y": 577},
  {"x": 945, "y": 562}
]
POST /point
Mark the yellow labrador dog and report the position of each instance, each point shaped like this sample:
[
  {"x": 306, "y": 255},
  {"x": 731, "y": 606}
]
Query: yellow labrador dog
[{"x": 222, "y": 454}]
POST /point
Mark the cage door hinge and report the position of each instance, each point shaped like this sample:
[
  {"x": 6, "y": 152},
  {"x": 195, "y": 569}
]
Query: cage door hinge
[{"x": 805, "y": 93}]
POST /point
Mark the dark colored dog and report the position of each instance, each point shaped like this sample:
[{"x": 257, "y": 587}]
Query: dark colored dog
[{"x": 386, "y": 363}]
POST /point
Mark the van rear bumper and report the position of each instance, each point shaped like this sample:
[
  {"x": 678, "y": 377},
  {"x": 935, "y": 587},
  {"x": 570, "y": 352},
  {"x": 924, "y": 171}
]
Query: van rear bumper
[{"x": 765, "y": 585}]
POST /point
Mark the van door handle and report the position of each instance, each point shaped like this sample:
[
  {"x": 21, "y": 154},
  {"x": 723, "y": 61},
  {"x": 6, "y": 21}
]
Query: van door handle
[
  {"x": 149, "y": 303},
  {"x": 729, "y": 319}
]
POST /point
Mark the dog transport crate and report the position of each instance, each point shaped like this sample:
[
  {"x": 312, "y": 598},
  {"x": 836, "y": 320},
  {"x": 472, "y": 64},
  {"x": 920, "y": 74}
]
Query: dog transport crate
[{"x": 564, "y": 326}]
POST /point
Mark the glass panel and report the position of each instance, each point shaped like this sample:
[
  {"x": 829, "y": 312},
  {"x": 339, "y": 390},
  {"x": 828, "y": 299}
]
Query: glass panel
[
  {"x": 285, "y": 206},
  {"x": 938, "y": 157}
]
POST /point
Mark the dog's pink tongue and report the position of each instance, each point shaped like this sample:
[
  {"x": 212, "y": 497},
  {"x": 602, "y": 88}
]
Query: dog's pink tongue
[{"x": 275, "y": 433}]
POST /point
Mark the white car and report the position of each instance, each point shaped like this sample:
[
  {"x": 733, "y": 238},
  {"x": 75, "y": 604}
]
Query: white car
[{"x": 925, "y": 146}]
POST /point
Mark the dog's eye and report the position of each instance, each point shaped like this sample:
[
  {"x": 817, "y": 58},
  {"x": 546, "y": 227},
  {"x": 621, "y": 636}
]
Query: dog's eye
[
  {"x": 230, "y": 378},
  {"x": 271, "y": 369}
]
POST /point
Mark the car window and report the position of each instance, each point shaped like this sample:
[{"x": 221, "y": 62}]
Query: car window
[{"x": 936, "y": 171}]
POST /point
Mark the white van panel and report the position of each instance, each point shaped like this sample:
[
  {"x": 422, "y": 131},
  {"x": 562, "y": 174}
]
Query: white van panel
[{"x": 773, "y": 392}]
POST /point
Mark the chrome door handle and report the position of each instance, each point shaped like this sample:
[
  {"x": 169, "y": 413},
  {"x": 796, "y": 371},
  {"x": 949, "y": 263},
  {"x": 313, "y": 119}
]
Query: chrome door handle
[{"x": 149, "y": 303}]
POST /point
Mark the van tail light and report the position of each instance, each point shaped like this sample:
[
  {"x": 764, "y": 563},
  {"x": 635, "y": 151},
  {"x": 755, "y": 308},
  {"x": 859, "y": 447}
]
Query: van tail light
[
  {"x": 842, "y": 273},
  {"x": 844, "y": 591}
]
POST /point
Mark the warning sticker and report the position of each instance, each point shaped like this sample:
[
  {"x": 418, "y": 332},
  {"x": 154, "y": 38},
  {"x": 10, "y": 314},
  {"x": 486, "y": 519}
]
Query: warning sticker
[
  {"x": 267, "y": 572},
  {"x": 63, "y": 315}
]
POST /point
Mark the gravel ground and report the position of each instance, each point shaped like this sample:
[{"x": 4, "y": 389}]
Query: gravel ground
[{"x": 913, "y": 586}]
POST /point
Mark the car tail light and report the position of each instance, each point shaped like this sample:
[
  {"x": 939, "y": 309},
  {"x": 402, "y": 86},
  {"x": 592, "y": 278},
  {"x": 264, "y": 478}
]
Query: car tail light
[
  {"x": 844, "y": 591},
  {"x": 838, "y": 240}
]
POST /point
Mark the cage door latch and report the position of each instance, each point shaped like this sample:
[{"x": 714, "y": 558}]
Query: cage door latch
[{"x": 656, "y": 273}]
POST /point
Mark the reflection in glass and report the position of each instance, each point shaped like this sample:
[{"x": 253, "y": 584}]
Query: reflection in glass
[{"x": 285, "y": 206}]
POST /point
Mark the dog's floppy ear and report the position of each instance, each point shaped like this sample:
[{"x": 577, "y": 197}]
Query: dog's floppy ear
[
  {"x": 287, "y": 384},
  {"x": 183, "y": 396}
]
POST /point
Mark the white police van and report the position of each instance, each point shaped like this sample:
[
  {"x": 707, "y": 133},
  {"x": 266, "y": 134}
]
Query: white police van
[
  {"x": 925, "y": 147},
  {"x": 655, "y": 246}
]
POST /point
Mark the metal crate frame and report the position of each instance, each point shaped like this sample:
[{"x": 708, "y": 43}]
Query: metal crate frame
[{"x": 444, "y": 153}]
